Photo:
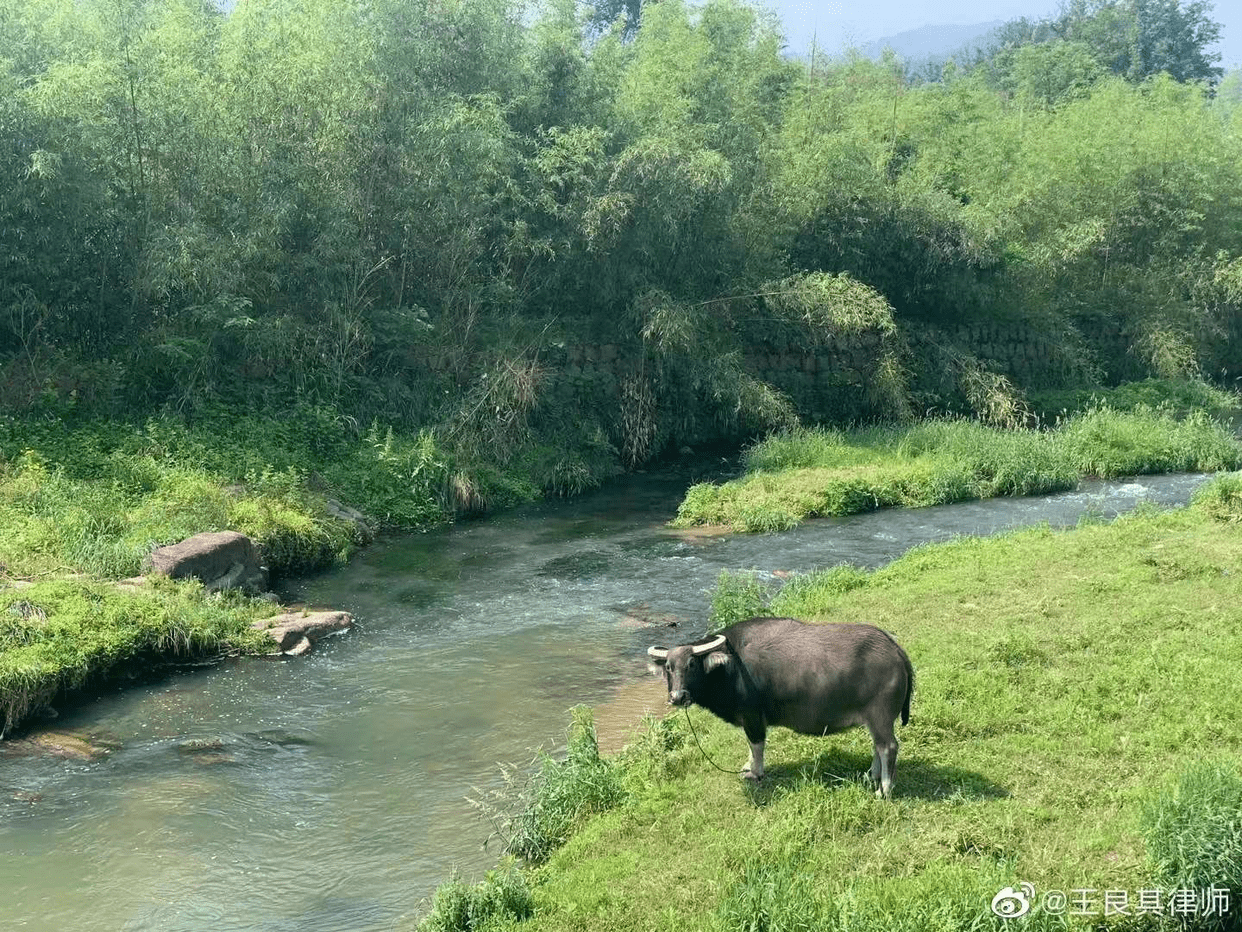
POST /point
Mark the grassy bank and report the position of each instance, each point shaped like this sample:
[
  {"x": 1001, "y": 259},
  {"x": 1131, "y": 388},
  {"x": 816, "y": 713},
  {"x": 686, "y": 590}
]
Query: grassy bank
[
  {"x": 820, "y": 472},
  {"x": 1180, "y": 396},
  {"x": 94, "y": 496},
  {"x": 83, "y": 502},
  {"x": 1074, "y": 726},
  {"x": 68, "y": 634}
]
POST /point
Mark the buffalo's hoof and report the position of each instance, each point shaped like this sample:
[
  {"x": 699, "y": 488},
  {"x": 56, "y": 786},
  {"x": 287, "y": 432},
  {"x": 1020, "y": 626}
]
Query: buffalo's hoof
[{"x": 751, "y": 775}]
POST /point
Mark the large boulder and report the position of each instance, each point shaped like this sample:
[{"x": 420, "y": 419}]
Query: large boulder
[
  {"x": 363, "y": 530},
  {"x": 296, "y": 632},
  {"x": 220, "y": 559}
]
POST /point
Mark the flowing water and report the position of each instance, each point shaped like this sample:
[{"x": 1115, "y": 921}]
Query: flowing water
[{"x": 331, "y": 792}]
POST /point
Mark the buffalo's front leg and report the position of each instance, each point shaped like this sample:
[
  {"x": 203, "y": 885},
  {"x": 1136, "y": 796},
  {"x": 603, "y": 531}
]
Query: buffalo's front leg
[{"x": 756, "y": 734}]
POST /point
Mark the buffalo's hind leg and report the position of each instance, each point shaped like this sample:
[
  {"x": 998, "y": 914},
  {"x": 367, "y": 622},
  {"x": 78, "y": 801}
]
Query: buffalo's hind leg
[
  {"x": 872, "y": 777},
  {"x": 884, "y": 762}
]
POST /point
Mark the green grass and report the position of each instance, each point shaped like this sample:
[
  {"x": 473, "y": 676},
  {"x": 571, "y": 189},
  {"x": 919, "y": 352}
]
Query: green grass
[
  {"x": 1074, "y": 726},
  {"x": 537, "y": 818},
  {"x": 501, "y": 898},
  {"x": 63, "y": 635},
  {"x": 52, "y": 524},
  {"x": 1194, "y": 829},
  {"x": 96, "y": 497},
  {"x": 1177, "y": 395},
  {"x": 821, "y": 472}
]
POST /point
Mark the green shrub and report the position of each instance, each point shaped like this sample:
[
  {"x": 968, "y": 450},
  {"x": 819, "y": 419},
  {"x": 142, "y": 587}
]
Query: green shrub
[
  {"x": 738, "y": 596},
  {"x": 1194, "y": 830},
  {"x": 564, "y": 792}
]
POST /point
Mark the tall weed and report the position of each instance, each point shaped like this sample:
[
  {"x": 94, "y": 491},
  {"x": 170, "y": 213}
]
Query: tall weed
[{"x": 564, "y": 792}]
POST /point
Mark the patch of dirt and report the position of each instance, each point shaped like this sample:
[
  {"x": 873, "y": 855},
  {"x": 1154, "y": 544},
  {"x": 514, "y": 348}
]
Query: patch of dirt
[{"x": 617, "y": 719}]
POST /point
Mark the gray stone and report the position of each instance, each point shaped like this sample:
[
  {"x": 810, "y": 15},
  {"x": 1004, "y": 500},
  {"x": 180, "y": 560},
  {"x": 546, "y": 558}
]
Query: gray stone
[
  {"x": 362, "y": 527},
  {"x": 220, "y": 559},
  {"x": 291, "y": 628}
]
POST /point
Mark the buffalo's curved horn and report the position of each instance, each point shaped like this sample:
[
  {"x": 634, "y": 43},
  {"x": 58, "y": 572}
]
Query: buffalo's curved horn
[
  {"x": 707, "y": 648},
  {"x": 657, "y": 653}
]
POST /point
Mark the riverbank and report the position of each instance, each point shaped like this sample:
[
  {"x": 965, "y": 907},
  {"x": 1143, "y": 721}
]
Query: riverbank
[
  {"x": 83, "y": 503},
  {"x": 826, "y": 472},
  {"x": 91, "y": 498},
  {"x": 1061, "y": 678},
  {"x": 68, "y": 634}
]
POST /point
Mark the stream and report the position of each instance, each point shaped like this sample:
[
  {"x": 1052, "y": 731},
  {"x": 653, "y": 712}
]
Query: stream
[{"x": 331, "y": 792}]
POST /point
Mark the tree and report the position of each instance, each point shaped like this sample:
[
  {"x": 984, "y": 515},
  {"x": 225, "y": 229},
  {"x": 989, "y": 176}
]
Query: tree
[
  {"x": 606, "y": 13},
  {"x": 1174, "y": 38},
  {"x": 1135, "y": 39},
  {"x": 1052, "y": 73}
]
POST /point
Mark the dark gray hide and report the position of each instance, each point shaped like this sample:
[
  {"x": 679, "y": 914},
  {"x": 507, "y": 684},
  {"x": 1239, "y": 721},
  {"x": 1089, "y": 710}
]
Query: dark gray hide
[{"x": 813, "y": 679}]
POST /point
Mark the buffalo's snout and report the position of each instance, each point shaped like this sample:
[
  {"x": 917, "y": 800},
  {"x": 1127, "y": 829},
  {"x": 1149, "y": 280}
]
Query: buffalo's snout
[{"x": 678, "y": 697}]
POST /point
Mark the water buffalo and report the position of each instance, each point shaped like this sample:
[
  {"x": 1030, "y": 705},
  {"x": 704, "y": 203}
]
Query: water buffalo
[{"x": 813, "y": 679}]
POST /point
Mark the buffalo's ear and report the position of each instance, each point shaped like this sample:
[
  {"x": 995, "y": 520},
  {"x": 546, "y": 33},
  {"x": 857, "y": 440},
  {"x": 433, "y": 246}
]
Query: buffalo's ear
[{"x": 717, "y": 658}]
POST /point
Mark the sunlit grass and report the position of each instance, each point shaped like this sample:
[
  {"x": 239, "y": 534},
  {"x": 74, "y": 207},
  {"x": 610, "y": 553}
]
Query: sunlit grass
[
  {"x": 825, "y": 472},
  {"x": 53, "y": 524},
  {"x": 1066, "y": 680},
  {"x": 62, "y": 635}
]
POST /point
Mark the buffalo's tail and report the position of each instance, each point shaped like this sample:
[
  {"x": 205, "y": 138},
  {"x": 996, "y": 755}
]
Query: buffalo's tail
[{"x": 905, "y": 709}]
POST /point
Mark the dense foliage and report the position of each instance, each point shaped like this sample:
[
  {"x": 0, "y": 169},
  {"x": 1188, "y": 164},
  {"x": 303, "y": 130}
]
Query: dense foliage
[{"x": 396, "y": 210}]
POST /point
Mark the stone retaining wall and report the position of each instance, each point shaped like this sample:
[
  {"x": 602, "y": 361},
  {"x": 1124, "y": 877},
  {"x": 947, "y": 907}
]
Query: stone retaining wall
[
  {"x": 834, "y": 382},
  {"x": 831, "y": 382}
]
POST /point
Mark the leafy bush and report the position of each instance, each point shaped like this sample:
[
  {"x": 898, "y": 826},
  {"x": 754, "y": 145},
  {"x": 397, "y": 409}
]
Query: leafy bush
[
  {"x": 564, "y": 792},
  {"x": 1194, "y": 830},
  {"x": 459, "y": 907}
]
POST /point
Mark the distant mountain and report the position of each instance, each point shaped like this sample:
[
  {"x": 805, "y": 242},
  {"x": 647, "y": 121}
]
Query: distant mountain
[{"x": 939, "y": 42}]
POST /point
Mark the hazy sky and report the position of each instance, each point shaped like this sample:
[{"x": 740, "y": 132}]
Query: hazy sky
[{"x": 835, "y": 22}]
